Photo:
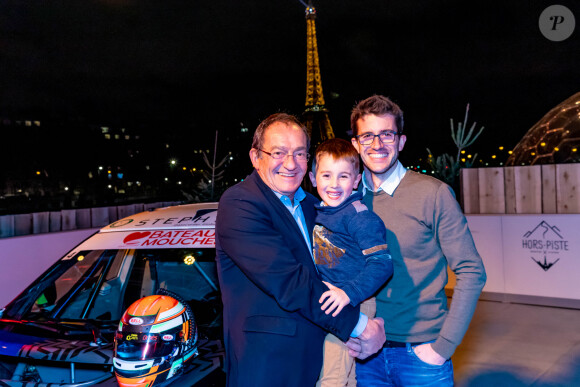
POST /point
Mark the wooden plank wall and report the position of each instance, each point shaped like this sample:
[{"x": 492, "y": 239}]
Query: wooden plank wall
[
  {"x": 491, "y": 191},
  {"x": 567, "y": 180},
  {"x": 549, "y": 189},
  {"x": 69, "y": 219},
  {"x": 534, "y": 189},
  {"x": 525, "y": 187},
  {"x": 468, "y": 180}
]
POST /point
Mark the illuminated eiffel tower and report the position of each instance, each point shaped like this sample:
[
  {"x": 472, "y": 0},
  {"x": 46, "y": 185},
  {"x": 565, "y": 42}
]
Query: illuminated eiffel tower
[{"x": 315, "y": 115}]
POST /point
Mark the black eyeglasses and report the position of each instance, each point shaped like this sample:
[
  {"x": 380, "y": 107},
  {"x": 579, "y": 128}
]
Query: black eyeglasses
[
  {"x": 278, "y": 155},
  {"x": 386, "y": 137}
]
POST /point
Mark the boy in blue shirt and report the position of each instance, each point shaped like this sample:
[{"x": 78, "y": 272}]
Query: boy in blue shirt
[{"x": 349, "y": 248}]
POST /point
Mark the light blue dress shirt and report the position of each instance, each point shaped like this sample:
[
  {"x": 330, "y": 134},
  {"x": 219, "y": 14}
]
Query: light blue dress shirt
[{"x": 296, "y": 211}]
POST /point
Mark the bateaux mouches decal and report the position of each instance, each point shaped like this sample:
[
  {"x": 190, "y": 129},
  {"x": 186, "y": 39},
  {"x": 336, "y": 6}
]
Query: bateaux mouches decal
[
  {"x": 186, "y": 238},
  {"x": 545, "y": 244}
]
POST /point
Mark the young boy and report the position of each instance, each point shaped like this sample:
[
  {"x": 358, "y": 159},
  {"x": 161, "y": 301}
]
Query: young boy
[{"x": 349, "y": 249}]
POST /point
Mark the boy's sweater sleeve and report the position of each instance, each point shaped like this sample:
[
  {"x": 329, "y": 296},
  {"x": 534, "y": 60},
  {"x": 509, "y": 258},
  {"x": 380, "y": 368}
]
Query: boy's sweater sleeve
[{"x": 368, "y": 230}]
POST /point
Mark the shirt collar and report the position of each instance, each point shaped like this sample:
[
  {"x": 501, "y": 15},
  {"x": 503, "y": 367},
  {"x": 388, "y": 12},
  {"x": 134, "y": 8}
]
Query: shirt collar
[
  {"x": 390, "y": 184},
  {"x": 298, "y": 197}
]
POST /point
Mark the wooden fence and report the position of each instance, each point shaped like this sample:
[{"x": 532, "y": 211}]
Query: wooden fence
[
  {"x": 535, "y": 189},
  {"x": 66, "y": 220}
]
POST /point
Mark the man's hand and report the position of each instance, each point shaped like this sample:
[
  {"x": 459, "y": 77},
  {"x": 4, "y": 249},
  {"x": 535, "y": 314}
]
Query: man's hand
[
  {"x": 336, "y": 299},
  {"x": 426, "y": 353},
  {"x": 370, "y": 341}
]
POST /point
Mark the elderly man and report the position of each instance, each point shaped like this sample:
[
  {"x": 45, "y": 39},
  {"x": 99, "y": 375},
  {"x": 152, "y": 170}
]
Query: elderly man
[{"x": 273, "y": 324}]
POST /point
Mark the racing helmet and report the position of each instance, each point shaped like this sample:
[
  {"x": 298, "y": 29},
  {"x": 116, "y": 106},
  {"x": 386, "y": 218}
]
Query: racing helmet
[{"x": 157, "y": 335}]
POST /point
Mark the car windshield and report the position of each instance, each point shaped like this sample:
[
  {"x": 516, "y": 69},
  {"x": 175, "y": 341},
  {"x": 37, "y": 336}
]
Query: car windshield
[{"x": 101, "y": 284}]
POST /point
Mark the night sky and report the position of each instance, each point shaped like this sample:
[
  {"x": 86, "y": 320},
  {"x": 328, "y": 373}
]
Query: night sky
[{"x": 193, "y": 67}]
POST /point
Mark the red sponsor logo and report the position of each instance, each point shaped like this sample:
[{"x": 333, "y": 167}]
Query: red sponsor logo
[
  {"x": 136, "y": 321},
  {"x": 133, "y": 238},
  {"x": 149, "y": 338},
  {"x": 182, "y": 238},
  {"x": 167, "y": 337}
]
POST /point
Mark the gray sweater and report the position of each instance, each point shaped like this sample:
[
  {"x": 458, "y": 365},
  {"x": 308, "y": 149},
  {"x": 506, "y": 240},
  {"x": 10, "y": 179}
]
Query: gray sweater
[{"x": 426, "y": 232}]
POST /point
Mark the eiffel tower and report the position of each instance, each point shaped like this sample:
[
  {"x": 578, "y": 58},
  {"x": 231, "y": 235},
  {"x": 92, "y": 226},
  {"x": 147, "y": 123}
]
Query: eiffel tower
[{"x": 315, "y": 115}]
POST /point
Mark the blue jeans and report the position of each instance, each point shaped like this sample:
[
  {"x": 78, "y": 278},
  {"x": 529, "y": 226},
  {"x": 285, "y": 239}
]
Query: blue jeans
[{"x": 401, "y": 367}]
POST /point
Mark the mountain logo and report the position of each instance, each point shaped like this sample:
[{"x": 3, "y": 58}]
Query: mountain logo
[
  {"x": 544, "y": 228},
  {"x": 545, "y": 243}
]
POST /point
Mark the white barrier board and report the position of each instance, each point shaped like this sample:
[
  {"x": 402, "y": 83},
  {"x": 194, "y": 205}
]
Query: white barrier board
[
  {"x": 487, "y": 235},
  {"x": 529, "y": 255},
  {"x": 542, "y": 255}
]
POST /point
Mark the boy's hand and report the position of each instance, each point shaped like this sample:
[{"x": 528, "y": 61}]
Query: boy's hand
[{"x": 336, "y": 299}]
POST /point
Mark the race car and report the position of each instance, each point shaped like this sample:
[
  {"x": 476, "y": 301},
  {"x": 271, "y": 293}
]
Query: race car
[{"x": 60, "y": 330}]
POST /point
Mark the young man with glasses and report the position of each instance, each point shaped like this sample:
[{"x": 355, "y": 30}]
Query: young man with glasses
[
  {"x": 426, "y": 233},
  {"x": 274, "y": 326}
]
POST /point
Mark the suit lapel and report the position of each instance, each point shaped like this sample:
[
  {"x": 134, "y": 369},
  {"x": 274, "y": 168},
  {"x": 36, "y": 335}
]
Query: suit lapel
[
  {"x": 294, "y": 234},
  {"x": 309, "y": 214}
]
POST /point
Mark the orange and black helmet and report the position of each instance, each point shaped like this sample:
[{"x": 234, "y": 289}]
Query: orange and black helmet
[{"x": 157, "y": 335}]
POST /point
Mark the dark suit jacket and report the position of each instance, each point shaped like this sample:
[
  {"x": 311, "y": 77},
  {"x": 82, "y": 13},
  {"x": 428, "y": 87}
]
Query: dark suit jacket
[{"x": 273, "y": 325}]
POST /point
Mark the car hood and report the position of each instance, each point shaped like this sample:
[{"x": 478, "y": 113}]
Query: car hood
[{"x": 76, "y": 351}]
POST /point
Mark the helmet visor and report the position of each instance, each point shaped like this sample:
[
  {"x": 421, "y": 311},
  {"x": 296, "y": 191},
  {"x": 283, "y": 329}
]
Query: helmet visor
[{"x": 143, "y": 346}]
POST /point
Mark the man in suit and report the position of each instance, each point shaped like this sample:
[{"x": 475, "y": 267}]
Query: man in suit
[{"x": 273, "y": 325}]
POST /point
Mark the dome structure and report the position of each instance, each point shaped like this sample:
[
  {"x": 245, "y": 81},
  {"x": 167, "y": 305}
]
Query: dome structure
[{"x": 555, "y": 139}]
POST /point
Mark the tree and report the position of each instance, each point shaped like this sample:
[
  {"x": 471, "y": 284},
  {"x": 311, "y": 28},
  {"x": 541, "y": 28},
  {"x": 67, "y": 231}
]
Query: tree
[{"x": 208, "y": 187}]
